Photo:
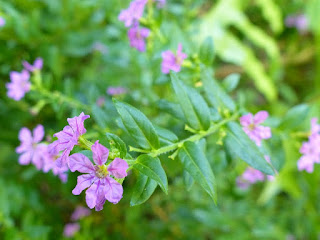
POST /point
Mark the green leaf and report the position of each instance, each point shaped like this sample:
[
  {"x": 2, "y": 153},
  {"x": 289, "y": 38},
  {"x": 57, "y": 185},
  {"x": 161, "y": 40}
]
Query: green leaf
[
  {"x": 206, "y": 52},
  {"x": 173, "y": 109},
  {"x": 100, "y": 116},
  {"x": 138, "y": 126},
  {"x": 152, "y": 168},
  {"x": 118, "y": 144},
  {"x": 194, "y": 107},
  {"x": 231, "y": 82},
  {"x": 142, "y": 190},
  {"x": 188, "y": 180},
  {"x": 165, "y": 136},
  {"x": 197, "y": 165},
  {"x": 243, "y": 147},
  {"x": 295, "y": 116},
  {"x": 215, "y": 94},
  {"x": 87, "y": 153}
]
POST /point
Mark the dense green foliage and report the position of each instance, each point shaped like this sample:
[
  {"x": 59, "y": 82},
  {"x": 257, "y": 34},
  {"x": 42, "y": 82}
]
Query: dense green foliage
[{"x": 180, "y": 130}]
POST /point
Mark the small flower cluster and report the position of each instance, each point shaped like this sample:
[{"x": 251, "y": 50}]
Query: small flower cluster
[
  {"x": 131, "y": 17},
  {"x": 20, "y": 83},
  {"x": 33, "y": 151},
  {"x": 300, "y": 22},
  {"x": 70, "y": 229},
  {"x": 251, "y": 126},
  {"x": 112, "y": 91},
  {"x": 310, "y": 149},
  {"x": 171, "y": 61}
]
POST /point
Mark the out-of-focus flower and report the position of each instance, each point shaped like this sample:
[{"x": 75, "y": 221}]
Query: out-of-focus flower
[
  {"x": 68, "y": 138},
  {"x": 49, "y": 163},
  {"x": 133, "y": 13},
  {"x": 310, "y": 150},
  {"x": 101, "y": 186},
  {"x": 100, "y": 47},
  {"x": 30, "y": 149},
  {"x": 37, "y": 65},
  {"x": 298, "y": 21},
  {"x": 137, "y": 37},
  {"x": 173, "y": 62},
  {"x": 251, "y": 126},
  {"x": 100, "y": 101},
  {"x": 79, "y": 213},
  {"x": 161, "y": 3},
  {"x": 116, "y": 91},
  {"x": 2, "y": 22},
  {"x": 19, "y": 85},
  {"x": 71, "y": 229}
]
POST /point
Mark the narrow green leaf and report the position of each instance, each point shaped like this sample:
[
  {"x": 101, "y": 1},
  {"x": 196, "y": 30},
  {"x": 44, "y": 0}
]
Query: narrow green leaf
[
  {"x": 215, "y": 94},
  {"x": 142, "y": 190},
  {"x": 194, "y": 107},
  {"x": 188, "y": 180},
  {"x": 243, "y": 147},
  {"x": 152, "y": 168},
  {"x": 100, "y": 116},
  {"x": 138, "y": 126},
  {"x": 173, "y": 109},
  {"x": 206, "y": 52},
  {"x": 295, "y": 116},
  {"x": 197, "y": 165},
  {"x": 165, "y": 136},
  {"x": 118, "y": 143},
  {"x": 231, "y": 82}
]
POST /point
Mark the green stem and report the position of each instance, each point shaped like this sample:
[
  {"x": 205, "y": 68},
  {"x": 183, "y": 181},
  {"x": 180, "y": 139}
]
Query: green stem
[
  {"x": 193, "y": 138},
  {"x": 84, "y": 143}
]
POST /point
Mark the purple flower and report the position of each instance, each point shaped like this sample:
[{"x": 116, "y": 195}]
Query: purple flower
[
  {"x": 100, "y": 47},
  {"x": 30, "y": 148},
  {"x": 161, "y": 3},
  {"x": 133, "y": 12},
  {"x": 171, "y": 61},
  {"x": 49, "y": 163},
  {"x": 137, "y": 36},
  {"x": 68, "y": 138},
  {"x": 37, "y": 65},
  {"x": 298, "y": 21},
  {"x": 80, "y": 213},
  {"x": 100, "y": 101},
  {"x": 252, "y": 128},
  {"x": 19, "y": 85},
  {"x": 249, "y": 177},
  {"x": 116, "y": 91},
  {"x": 2, "y": 22},
  {"x": 101, "y": 186},
  {"x": 71, "y": 229}
]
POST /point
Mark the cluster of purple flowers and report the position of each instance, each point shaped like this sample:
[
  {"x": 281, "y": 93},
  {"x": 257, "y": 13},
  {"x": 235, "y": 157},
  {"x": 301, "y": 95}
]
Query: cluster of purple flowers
[
  {"x": 300, "y": 22},
  {"x": 33, "y": 151},
  {"x": 101, "y": 179},
  {"x": 171, "y": 61},
  {"x": 70, "y": 229},
  {"x": 251, "y": 126},
  {"x": 131, "y": 17},
  {"x": 2, "y": 22},
  {"x": 20, "y": 83},
  {"x": 310, "y": 149}
]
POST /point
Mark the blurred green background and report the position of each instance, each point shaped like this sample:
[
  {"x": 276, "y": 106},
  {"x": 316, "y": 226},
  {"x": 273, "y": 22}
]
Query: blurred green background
[{"x": 86, "y": 50}]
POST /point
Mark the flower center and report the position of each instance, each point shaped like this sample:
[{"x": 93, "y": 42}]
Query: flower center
[
  {"x": 252, "y": 126},
  {"x": 102, "y": 171}
]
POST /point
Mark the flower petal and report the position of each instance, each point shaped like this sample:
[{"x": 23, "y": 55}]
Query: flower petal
[
  {"x": 92, "y": 193},
  {"x": 118, "y": 168},
  {"x": 113, "y": 190},
  {"x": 246, "y": 120},
  {"x": 76, "y": 123},
  {"x": 79, "y": 162},
  {"x": 260, "y": 117},
  {"x": 83, "y": 181},
  {"x": 25, "y": 158},
  {"x": 25, "y": 135},
  {"x": 99, "y": 153},
  {"x": 38, "y": 133}
]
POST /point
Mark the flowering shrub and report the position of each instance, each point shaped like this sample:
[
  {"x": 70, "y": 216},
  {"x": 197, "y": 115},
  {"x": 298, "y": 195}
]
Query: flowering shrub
[{"x": 163, "y": 134}]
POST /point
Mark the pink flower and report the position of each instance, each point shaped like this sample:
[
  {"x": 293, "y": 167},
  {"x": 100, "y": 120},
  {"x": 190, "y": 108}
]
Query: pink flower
[
  {"x": 252, "y": 128},
  {"x": 171, "y": 61},
  {"x": 137, "y": 37},
  {"x": 133, "y": 12},
  {"x": 300, "y": 22},
  {"x": 116, "y": 91},
  {"x": 30, "y": 148},
  {"x": 19, "y": 85},
  {"x": 71, "y": 229},
  {"x": 2, "y": 22},
  {"x": 80, "y": 213},
  {"x": 310, "y": 150},
  {"x": 68, "y": 138},
  {"x": 37, "y": 65},
  {"x": 49, "y": 163},
  {"x": 101, "y": 186}
]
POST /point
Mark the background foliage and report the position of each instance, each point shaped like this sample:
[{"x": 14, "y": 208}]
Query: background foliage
[{"x": 279, "y": 67}]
